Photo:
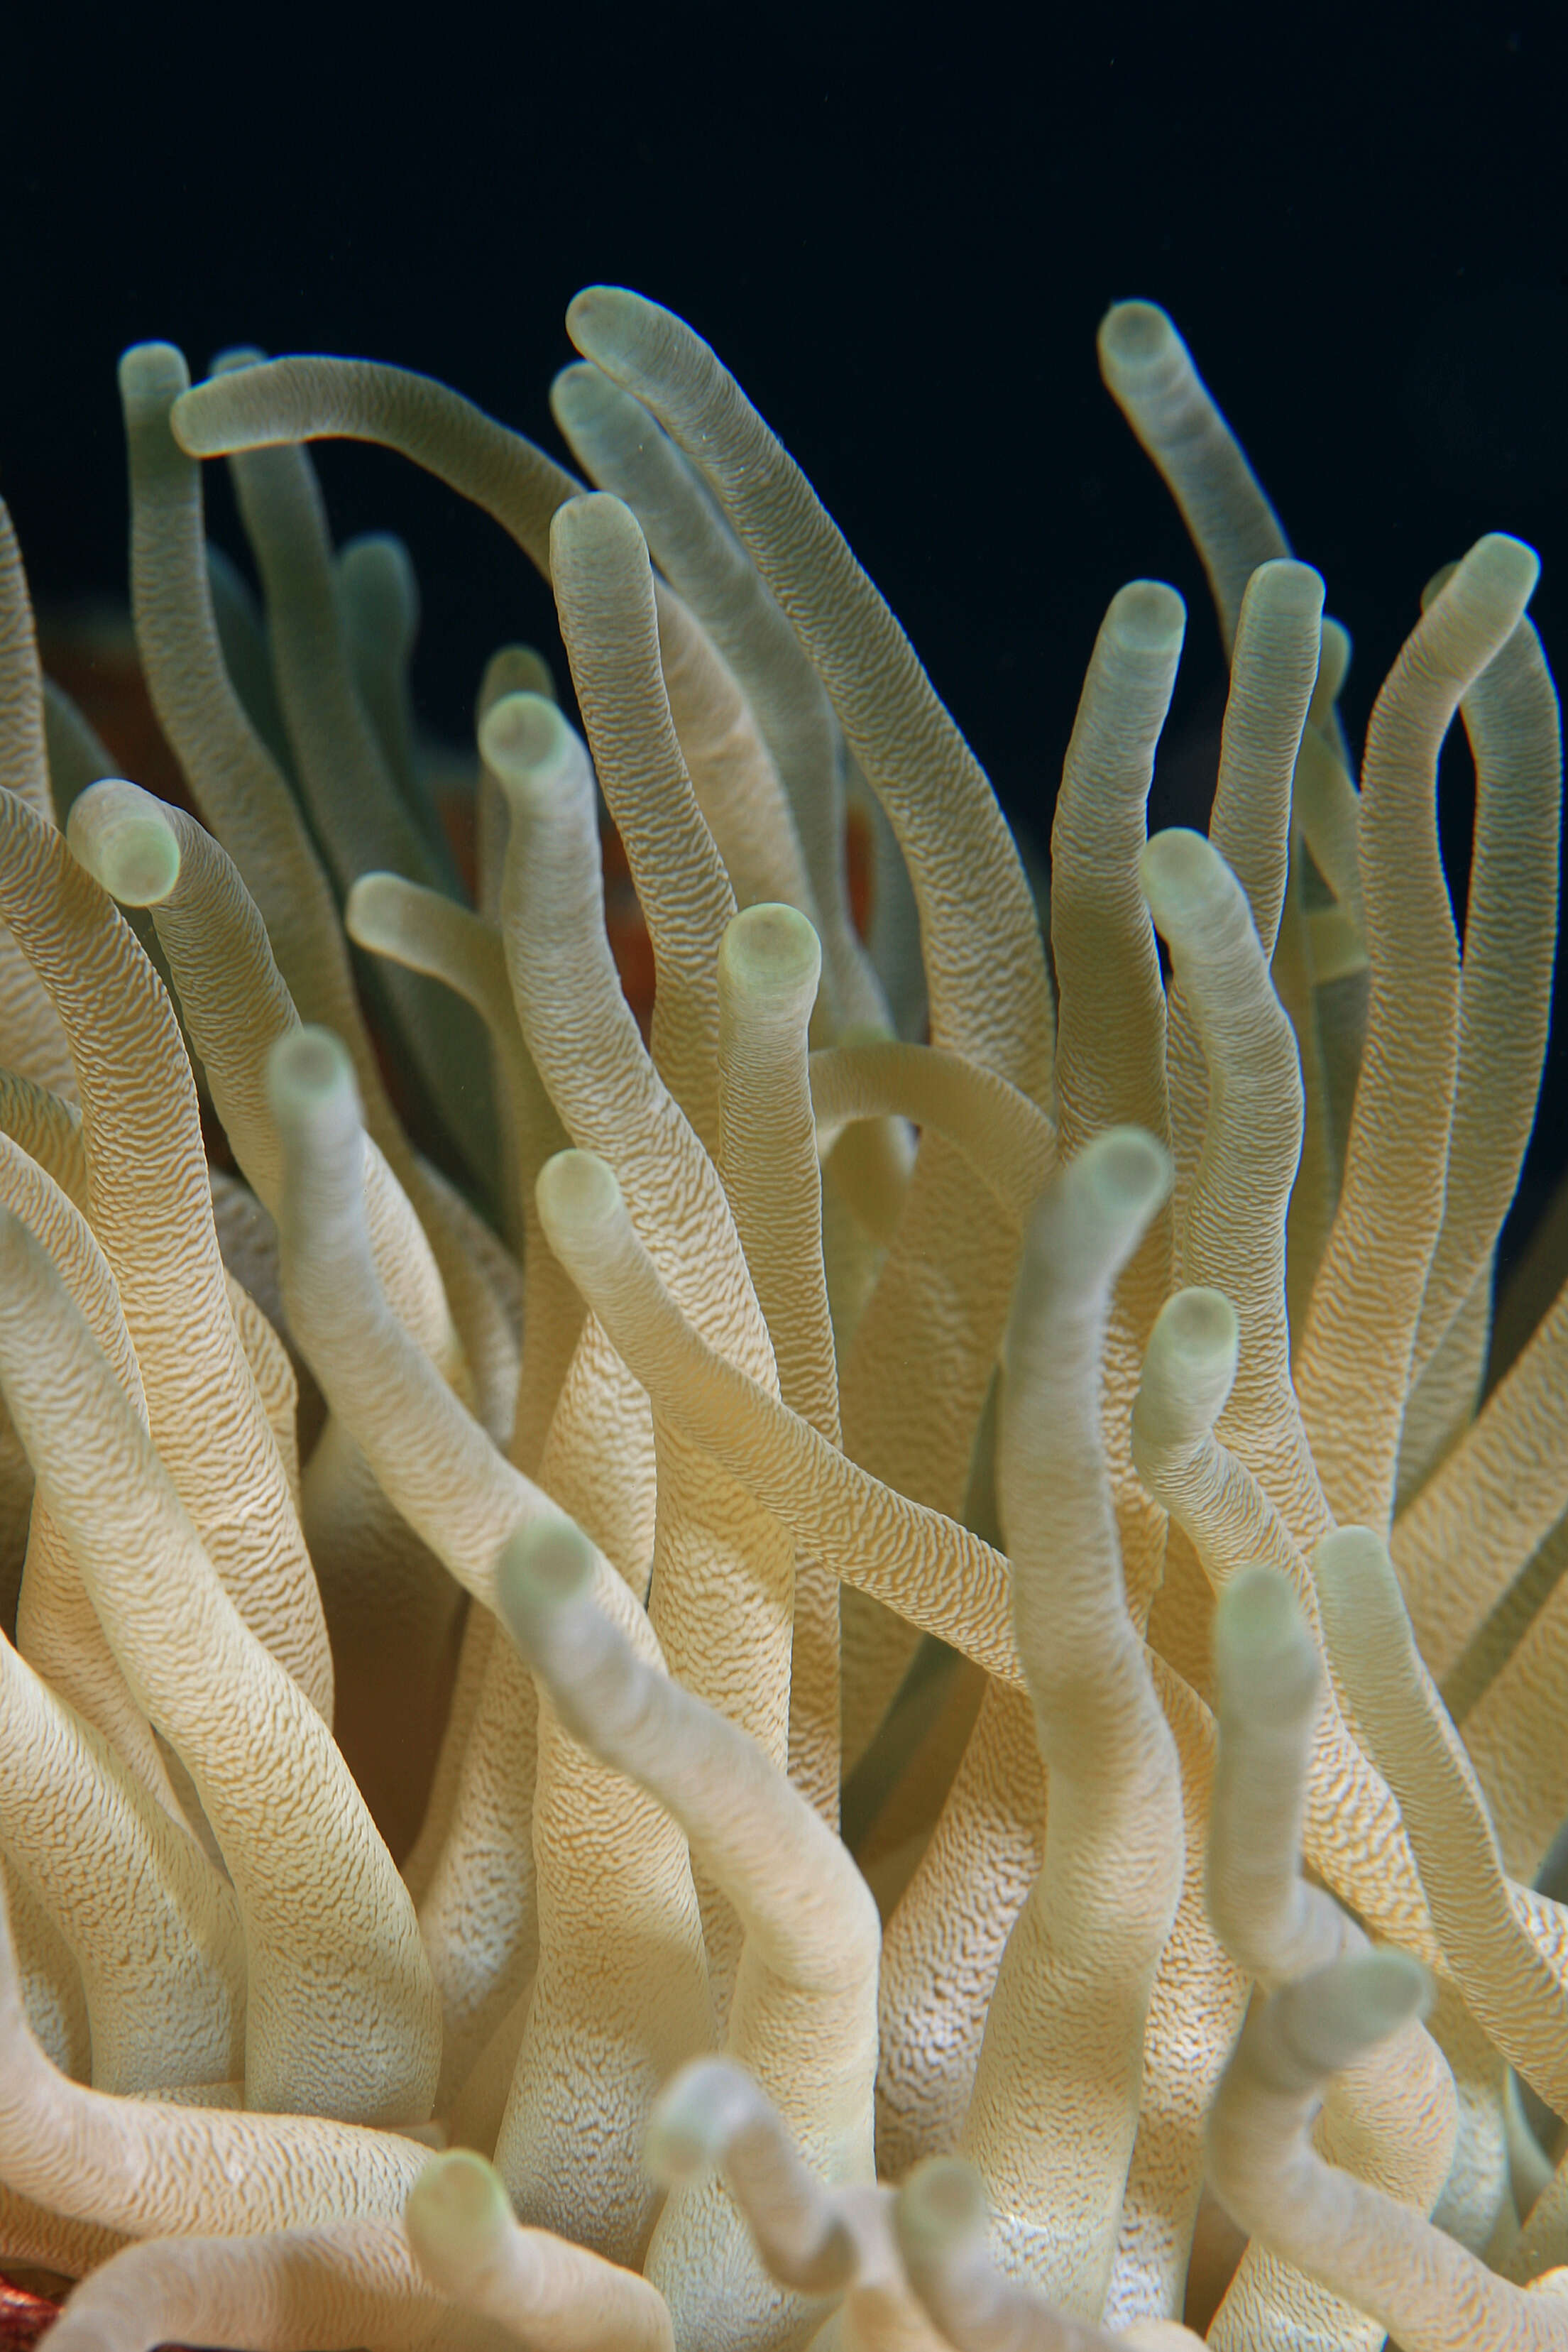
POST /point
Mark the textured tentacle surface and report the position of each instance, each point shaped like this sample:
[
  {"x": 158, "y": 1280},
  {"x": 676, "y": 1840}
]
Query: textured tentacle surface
[{"x": 849, "y": 1637}]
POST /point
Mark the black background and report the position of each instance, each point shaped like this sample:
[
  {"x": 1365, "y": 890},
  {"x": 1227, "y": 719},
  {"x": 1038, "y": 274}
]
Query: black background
[{"x": 900, "y": 242}]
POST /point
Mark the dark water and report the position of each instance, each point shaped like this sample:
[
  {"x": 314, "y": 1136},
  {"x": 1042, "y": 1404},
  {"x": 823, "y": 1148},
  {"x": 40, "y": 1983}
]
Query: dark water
[{"x": 901, "y": 244}]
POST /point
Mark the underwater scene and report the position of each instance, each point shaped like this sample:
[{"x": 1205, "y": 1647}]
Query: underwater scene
[{"x": 783, "y": 1232}]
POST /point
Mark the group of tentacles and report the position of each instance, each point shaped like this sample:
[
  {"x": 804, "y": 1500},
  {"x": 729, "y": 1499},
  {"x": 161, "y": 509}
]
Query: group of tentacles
[{"x": 451, "y": 1614}]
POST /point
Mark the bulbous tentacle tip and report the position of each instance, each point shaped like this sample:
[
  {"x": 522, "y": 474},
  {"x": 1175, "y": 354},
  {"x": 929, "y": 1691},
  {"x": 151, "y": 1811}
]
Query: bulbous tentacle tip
[
  {"x": 595, "y": 542},
  {"x": 771, "y": 955},
  {"x": 1289, "y": 588},
  {"x": 602, "y": 317},
  {"x": 1357, "y": 1586},
  {"x": 1264, "y": 1653},
  {"x": 1201, "y": 1330},
  {"x": 1126, "y": 1173},
  {"x": 376, "y": 570},
  {"x": 541, "y": 1569},
  {"x": 1494, "y": 580},
  {"x": 151, "y": 377},
  {"x": 1324, "y": 2021},
  {"x": 311, "y": 1084},
  {"x": 1184, "y": 878},
  {"x": 1148, "y": 618},
  {"x": 579, "y": 1198},
  {"x": 526, "y": 743},
  {"x": 235, "y": 358},
  {"x": 1189, "y": 1369},
  {"x": 1136, "y": 336},
  {"x": 939, "y": 2208},
  {"x": 457, "y": 2218},
  {"x": 375, "y": 912},
  {"x": 121, "y": 836},
  {"x": 582, "y": 396},
  {"x": 696, "y": 2117}
]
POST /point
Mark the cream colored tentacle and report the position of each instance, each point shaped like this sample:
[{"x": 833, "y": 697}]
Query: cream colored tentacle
[
  {"x": 1054, "y": 2110},
  {"x": 153, "y": 1928},
  {"x": 1365, "y": 2244},
  {"x": 768, "y": 969},
  {"x": 1148, "y": 372},
  {"x": 1367, "y": 1301},
  {"x": 1194, "y": 2008},
  {"x": 57, "y": 1628},
  {"x": 1505, "y": 983},
  {"x": 1273, "y": 664},
  {"x": 621, "y": 447},
  {"x": 342, "y": 2015},
  {"x": 612, "y": 1099},
  {"x": 624, "y": 1893},
  {"x": 150, "y": 2169},
  {"x": 355, "y": 808},
  {"x": 1506, "y": 1945},
  {"x": 431, "y": 934},
  {"x": 1010, "y": 1144},
  {"x": 1467, "y": 1534},
  {"x": 1233, "y": 1224},
  {"x": 327, "y": 2289},
  {"x": 150, "y": 1209},
  {"x": 988, "y": 989},
  {"x": 376, "y": 590},
  {"x": 940, "y": 2224},
  {"x": 31, "y": 1038},
  {"x": 389, "y": 1607},
  {"x": 803, "y": 2017},
  {"x": 1353, "y": 1832},
  {"x": 550, "y": 2295},
  {"x": 1393, "y": 2118},
  {"x": 926, "y": 1567},
  {"x": 1111, "y": 1046}
]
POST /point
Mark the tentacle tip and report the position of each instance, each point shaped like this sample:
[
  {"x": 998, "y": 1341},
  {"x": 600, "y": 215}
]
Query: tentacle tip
[
  {"x": 595, "y": 527},
  {"x": 1148, "y": 618},
  {"x": 599, "y": 315},
  {"x": 695, "y": 2119},
  {"x": 523, "y": 740},
  {"x": 309, "y": 1074},
  {"x": 235, "y": 358},
  {"x": 1356, "y": 1578},
  {"x": 122, "y": 837},
  {"x": 1326, "y": 2020},
  {"x": 540, "y": 1569},
  {"x": 1134, "y": 335},
  {"x": 941, "y": 2207},
  {"x": 1289, "y": 587},
  {"x": 1263, "y": 1648},
  {"x": 196, "y": 420},
  {"x": 579, "y": 1198},
  {"x": 457, "y": 2216},
  {"x": 1521, "y": 561},
  {"x": 582, "y": 396},
  {"x": 1202, "y": 1326},
  {"x": 1129, "y": 1172},
  {"x": 152, "y": 375},
  {"x": 771, "y": 952},
  {"x": 1501, "y": 570},
  {"x": 1182, "y": 875},
  {"x": 369, "y": 910}
]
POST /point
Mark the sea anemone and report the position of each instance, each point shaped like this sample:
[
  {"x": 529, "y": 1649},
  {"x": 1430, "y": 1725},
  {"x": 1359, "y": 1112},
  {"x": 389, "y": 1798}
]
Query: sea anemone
[{"x": 788, "y": 1683}]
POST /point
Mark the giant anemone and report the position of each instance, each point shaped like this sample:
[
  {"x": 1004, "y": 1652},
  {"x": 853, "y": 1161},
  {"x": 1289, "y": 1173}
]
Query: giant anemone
[{"x": 809, "y": 1679}]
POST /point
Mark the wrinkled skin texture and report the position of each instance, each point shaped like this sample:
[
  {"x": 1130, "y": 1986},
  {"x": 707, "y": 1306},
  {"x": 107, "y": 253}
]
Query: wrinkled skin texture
[{"x": 471, "y": 1573}]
